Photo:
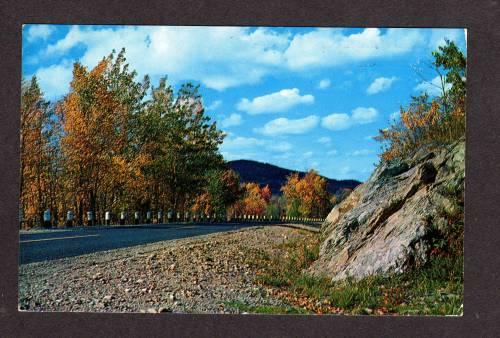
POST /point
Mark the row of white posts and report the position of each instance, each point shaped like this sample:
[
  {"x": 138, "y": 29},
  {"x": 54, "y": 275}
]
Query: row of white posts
[
  {"x": 282, "y": 218},
  {"x": 188, "y": 217}
]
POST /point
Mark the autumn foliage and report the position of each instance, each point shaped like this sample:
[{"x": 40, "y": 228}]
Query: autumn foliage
[
  {"x": 115, "y": 143},
  {"x": 307, "y": 196},
  {"x": 431, "y": 123},
  {"x": 38, "y": 182},
  {"x": 222, "y": 191},
  {"x": 108, "y": 146},
  {"x": 254, "y": 200}
]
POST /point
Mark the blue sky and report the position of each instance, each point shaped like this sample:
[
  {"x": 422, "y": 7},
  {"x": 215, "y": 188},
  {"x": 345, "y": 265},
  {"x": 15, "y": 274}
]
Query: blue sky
[{"x": 299, "y": 98}]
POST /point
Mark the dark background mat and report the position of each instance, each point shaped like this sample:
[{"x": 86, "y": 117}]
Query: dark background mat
[{"x": 482, "y": 228}]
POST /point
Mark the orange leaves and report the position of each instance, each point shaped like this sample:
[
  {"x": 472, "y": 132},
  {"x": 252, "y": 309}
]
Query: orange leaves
[
  {"x": 266, "y": 193},
  {"x": 421, "y": 117},
  {"x": 254, "y": 201},
  {"x": 308, "y": 194},
  {"x": 422, "y": 124},
  {"x": 117, "y": 148},
  {"x": 35, "y": 169},
  {"x": 202, "y": 204},
  {"x": 93, "y": 141},
  {"x": 435, "y": 123}
]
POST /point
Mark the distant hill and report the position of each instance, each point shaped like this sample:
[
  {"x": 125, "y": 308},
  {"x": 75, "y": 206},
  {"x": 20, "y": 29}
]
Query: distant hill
[{"x": 265, "y": 173}]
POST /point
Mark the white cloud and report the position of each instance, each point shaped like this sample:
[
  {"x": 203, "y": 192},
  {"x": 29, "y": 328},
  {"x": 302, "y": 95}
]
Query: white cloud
[
  {"x": 245, "y": 143},
  {"x": 325, "y": 140},
  {"x": 433, "y": 88},
  {"x": 362, "y": 152},
  {"x": 242, "y": 142},
  {"x": 380, "y": 84},
  {"x": 238, "y": 147},
  {"x": 330, "y": 47},
  {"x": 280, "y": 101},
  {"x": 224, "y": 57},
  {"x": 336, "y": 121},
  {"x": 332, "y": 152},
  {"x": 41, "y": 32},
  {"x": 280, "y": 146},
  {"x": 307, "y": 154},
  {"x": 232, "y": 120},
  {"x": 323, "y": 84},
  {"x": 439, "y": 35},
  {"x": 282, "y": 126},
  {"x": 341, "y": 121},
  {"x": 364, "y": 115},
  {"x": 218, "y": 57},
  {"x": 214, "y": 105},
  {"x": 395, "y": 116},
  {"x": 54, "y": 80}
]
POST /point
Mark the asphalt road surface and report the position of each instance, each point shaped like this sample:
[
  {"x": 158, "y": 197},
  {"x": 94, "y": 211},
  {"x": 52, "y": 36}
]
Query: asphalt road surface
[{"x": 53, "y": 244}]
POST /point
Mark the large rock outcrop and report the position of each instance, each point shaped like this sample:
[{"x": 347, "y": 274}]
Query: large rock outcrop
[{"x": 383, "y": 226}]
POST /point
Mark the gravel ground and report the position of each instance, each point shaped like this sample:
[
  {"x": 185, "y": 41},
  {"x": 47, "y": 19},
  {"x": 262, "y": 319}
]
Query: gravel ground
[{"x": 193, "y": 275}]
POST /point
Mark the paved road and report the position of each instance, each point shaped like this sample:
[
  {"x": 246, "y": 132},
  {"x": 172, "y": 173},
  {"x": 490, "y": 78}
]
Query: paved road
[{"x": 53, "y": 244}]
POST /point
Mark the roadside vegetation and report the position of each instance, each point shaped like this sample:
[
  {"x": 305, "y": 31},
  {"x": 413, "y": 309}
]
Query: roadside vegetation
[
  {"x": 436, "y": 288},
  {"x": 427, "y": 122},
  {"x": 117, "y": 144},
  {"x": 433, "y": 289}
]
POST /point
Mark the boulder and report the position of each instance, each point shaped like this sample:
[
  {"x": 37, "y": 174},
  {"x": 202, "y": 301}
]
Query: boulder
[{"x": 383, "y": 225}]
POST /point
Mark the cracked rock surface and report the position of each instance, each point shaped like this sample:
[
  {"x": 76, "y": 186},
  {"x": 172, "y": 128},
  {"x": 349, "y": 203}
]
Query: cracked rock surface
[{"x": 382, "y": 226}]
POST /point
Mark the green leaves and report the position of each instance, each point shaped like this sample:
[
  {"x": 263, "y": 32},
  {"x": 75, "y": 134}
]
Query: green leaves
[
  {"x": 431, "y": 124},
  {"x": 113, "y": 146},
  {"x": 454, "y": 63}
]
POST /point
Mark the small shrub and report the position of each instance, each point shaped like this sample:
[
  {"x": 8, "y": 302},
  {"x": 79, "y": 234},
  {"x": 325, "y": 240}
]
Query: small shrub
[{"x": 432, "y": 123}]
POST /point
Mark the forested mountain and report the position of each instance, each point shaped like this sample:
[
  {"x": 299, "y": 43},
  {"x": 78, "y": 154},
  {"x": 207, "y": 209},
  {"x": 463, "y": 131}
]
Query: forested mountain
[{"x": 275, "y": 177}]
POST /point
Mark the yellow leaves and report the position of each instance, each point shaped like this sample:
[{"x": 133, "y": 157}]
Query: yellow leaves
[
  {"x": 254, "y": 201},
  {"x": 116, "y": 149},
  {"x": 94, "y": 135},
  {"x": 309, "y": 192},
  {"x": 35, "y": 151},
  {"x": 422, "y": 124},
  {"x": 202, "y": 204}
]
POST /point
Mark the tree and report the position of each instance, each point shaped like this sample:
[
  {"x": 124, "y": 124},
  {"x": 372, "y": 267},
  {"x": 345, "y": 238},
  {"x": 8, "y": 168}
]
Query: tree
[
  {"x": 126, "y": 185},
  {"x": 273, "y": 210},
  {"x": 307, "y": 196},
  {"x": 454, "y": 63},
  {"x": 292, "y": 195},
  {"x": 179, "y": 145},
  {"x": 94, "y": 126},
  {"x": 222, "y": 191},
  {"x": 106, "y": 146},
  {"x": 430, "y": 123},
  {"x": 252, "y": 202},
  {"x": 266, "y": 193},
  {"x": 35, "y": 148}
]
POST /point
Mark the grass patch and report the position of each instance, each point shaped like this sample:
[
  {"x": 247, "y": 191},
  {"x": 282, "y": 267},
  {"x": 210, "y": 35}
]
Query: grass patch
[
  {"x": 265, "y": 309},
  {"x": 433, "y": 289}
]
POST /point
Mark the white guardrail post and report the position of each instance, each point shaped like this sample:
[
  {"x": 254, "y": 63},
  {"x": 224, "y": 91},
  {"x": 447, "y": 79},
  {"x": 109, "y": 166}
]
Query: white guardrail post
[
  {"x": 69, "y": 219},
  {"x": 46, "y": 218},
  {"x": 90, "y": 218}
]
